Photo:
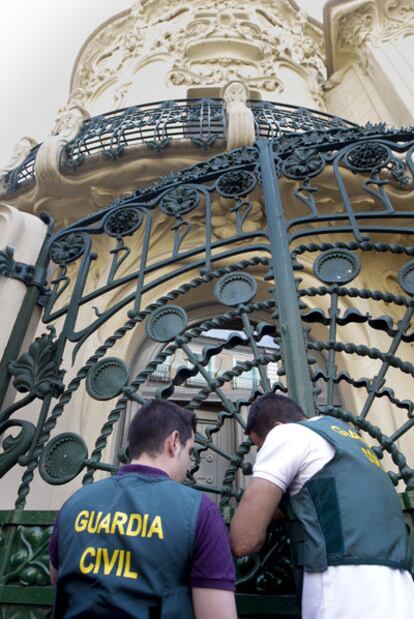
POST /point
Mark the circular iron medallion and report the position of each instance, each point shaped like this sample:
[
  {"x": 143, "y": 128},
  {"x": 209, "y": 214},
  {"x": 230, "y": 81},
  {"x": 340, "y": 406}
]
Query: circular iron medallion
[
  {"x": 106, "y": 379},
  {"x": 63, "y": 458},
  {"x": 336, "y": 266},
  {"x": 406, "y": 277},
  {"x": 123, "y": 222},
  {"x": 235, "y": 288},
  {"x": 236, "y": 183},
  {"x": 165, "y": 323},
  {"x": 179, "y": 201},
  {"x": 67, "y": 248},
  {"x": 366, "y": 156}
]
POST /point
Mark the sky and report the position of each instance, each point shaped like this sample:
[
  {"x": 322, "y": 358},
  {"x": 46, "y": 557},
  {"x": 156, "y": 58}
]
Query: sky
[{"x": 39, "y": 42}]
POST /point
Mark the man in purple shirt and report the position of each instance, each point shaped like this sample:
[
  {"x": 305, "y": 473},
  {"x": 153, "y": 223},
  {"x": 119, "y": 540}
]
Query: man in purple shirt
[{"x": 139, "y": 544}]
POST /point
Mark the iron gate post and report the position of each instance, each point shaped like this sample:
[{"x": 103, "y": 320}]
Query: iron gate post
[{"x": 284, "y": 291}]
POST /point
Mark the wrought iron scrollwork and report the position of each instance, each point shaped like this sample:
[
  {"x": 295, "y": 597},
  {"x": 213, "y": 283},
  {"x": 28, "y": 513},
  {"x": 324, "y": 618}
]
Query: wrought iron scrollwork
[
  {"x": 13, "y": 447},
  {"x": 37, "y": 374}
]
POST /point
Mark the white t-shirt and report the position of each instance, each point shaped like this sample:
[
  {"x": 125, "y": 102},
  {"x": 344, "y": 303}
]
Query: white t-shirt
[{"x": 290, "y": 455}]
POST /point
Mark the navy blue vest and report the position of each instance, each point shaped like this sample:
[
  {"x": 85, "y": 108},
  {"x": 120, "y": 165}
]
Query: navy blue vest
[
  {"x": 125, "y": 548},
  {"x": 348, "y": 513}
]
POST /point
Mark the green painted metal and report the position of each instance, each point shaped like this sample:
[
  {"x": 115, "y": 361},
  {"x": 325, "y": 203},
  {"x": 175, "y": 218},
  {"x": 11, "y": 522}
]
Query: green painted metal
[
  {"x": 293, "y": 344},
  {"x": 259, "y": 296},
  {"x": 35, "y": 281}
]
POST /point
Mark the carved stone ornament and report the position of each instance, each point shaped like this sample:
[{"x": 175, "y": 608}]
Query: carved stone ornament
[
  {"x": 374, "y": 21},
  {"x": 240, "y": 119},
  {"x": 252, "y": 37},
  {"x": 355, "y": 28},
  {"x": 399, "y": 15},
  {"x": 70, "y": 120},
  {"x": 18, "y": 154}
]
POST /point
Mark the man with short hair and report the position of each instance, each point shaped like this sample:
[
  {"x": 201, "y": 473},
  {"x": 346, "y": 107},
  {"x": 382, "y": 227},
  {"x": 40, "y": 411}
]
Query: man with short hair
[
  {"x": 139, "y": 545},
  {"x": 343, "y": 514}
]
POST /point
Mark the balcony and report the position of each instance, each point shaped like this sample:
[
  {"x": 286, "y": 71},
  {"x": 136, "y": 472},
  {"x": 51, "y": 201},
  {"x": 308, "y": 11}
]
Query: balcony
[
  {"x": 161, "y": 374},
  {"x": 198, "y": 380},
  {"x": 247, "y": 383},
  {"x": 157, "y": 125}
]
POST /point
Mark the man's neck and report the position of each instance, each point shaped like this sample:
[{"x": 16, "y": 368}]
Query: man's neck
[{"x": 156, "y": 463}]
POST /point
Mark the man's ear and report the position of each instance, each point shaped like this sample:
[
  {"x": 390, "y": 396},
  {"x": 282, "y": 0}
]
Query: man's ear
[{"x": 172, "y": 442}]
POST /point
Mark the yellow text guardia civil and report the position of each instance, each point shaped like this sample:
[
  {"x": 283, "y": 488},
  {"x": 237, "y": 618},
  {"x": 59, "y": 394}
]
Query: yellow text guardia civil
[{"x": 117, "y": 562}]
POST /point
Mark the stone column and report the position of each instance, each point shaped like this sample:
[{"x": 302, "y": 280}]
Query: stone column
[{"x": 24, "y": 234}]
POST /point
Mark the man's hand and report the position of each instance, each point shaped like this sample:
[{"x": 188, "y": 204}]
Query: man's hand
[
  {"x": 214, "y": 604},
  {"x": 256, "y": 510}
]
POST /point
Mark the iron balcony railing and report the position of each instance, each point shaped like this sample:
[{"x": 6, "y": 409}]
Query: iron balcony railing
[
  {"x": 241, "y": 382},
  {"x": 161, "y": 374},
  {"x": 202, "y": 121},
  {"x": 198, "y": 380}
]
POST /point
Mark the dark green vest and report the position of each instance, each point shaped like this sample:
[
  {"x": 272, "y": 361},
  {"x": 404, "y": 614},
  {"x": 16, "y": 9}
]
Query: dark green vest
[
  {"x": 125, "y": 549},
  {"x": 348, "y": 513}
]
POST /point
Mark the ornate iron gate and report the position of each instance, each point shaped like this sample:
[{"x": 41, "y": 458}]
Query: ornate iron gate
[{"x": 284, "y": 243}]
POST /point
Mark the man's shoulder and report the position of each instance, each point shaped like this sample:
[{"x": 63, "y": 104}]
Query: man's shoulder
[
  {"x": 98, "y": 487},
  {"x": 298, "y": 435}
]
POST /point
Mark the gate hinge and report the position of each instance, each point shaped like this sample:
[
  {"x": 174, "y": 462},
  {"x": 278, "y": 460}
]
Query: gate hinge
[{"x": 31, "y": 275}]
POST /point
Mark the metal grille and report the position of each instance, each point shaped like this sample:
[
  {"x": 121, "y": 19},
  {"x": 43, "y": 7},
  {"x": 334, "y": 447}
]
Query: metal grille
[{"x": 281, "y": 239}]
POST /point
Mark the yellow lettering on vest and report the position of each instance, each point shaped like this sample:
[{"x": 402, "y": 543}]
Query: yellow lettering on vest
[
  {"x": 354, "y": 435},
  {"x": 339, "y": 430},
  {"x": 98, "y": 560},
  {"x": 128, "y": 573},
  {"x": 371, "y": 457},
  {"x": 120, "y": 562},
  {"x": 118, "y": 522},
  {"x": 105, "y": 524},
  {"x": 81, "y": 521},
  {"x": 134, "y": 519},
  {"x": 156, "y": 528},
  {"x": 93, "y": 526},
  {"x": 109, "y": 563},
  {"x": 85, "y": 569},
  {"x": 144, "y": 526}
]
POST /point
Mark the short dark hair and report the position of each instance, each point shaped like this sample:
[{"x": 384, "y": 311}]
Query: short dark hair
[
  {"x": 154, "y": 422},
  {"x": 270, "y": 408}
]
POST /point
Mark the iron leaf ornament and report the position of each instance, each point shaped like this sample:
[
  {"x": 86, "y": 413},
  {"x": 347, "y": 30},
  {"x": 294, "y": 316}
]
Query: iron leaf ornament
[
  {"x": 37, "y": 371},
  {"x": 6, "y": 261}
]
